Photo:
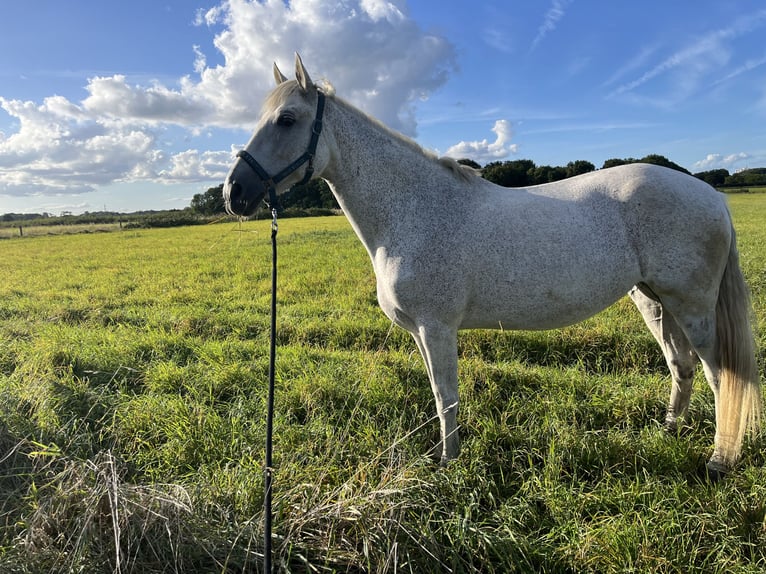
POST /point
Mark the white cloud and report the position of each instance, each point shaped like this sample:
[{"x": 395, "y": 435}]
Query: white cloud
[
  {"x": 193, "y": 165},
  {"x": 59, "y": 149},
  {"x": 749, "y": 65},
  {"x": 691, "y": 64},
  {"x": 381, "y": 9},
  {"x": 373, "y": 53},
  {"x": 485, "y": 151},
  {"x": 113, "y": 98},
  {"x": 637, "y": 62},
  {"x": 551, "y": 20},
  {"x": 719, "y": 161}
]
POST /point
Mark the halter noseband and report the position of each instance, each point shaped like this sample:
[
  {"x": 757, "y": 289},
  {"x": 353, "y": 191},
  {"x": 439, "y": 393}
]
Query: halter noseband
[{"x": 270, "y": 182}]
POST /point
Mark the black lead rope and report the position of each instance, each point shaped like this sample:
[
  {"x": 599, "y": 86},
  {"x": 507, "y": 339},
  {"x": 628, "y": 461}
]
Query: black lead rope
[
  {"x": 270, "y": 183},
  {"x": 268, "y": 471}
]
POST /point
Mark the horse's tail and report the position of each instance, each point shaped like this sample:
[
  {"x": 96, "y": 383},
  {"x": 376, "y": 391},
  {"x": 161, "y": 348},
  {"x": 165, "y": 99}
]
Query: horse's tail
[{"x": 739, "y": 399}]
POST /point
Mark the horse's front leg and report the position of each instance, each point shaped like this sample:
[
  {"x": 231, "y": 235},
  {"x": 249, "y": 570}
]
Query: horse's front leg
[{"x": 438, "y": 345}]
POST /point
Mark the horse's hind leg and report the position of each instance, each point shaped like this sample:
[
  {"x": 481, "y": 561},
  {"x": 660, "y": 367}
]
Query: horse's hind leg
[
  {"x": 678, "y": 351},
  {"x": 701, "y": 333},
  {"x": 438, "y": 345},
  {"x": 700, "y": 329}
]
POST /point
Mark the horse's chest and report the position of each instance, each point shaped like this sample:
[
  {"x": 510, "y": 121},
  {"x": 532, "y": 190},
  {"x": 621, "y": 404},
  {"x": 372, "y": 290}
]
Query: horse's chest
[{"x": 412, "y": 286}]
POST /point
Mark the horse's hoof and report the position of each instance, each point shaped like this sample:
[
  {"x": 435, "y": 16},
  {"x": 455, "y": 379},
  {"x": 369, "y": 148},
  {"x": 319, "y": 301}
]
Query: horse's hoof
[
  {"x": 671, "y": 427},
  {"x": 715, "y": 471}
]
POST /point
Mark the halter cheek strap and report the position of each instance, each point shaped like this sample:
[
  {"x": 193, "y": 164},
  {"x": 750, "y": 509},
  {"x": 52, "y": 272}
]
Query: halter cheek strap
[{"x": 270, "y": 182}]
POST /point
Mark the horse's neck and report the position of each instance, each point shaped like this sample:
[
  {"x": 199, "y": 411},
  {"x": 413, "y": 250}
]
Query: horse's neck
[{"x": 379, "y": 179}]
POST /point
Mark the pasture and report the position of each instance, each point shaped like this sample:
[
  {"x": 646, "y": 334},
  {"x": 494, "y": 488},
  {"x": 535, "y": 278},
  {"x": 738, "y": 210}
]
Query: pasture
[
  {"x": 9, "y": 231},
  {"x": 133, "y": 371}
]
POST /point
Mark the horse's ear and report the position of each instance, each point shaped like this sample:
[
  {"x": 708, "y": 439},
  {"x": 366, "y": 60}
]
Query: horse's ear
[
  {"x": 279, "y": 77},
  {"x": 302, "y": 75}
]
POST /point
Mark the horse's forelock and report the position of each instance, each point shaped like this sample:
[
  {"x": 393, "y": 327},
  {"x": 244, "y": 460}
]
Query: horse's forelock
[
  {"x": 278, "y": 95},
  {"x": 284, "y": 90}
]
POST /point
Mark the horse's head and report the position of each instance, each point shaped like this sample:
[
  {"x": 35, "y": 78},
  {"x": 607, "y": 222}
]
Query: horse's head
[{"x": 285, "y": 143}]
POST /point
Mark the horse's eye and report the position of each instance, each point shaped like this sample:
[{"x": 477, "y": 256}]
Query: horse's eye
[{"x": 285, "y": 119}]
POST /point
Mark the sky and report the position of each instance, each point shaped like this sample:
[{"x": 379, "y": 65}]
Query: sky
[{"x": 127, "y": 106}]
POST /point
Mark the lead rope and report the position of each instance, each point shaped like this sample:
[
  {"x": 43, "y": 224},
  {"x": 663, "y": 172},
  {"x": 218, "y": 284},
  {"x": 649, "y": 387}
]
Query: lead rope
[{"x": 268, "y": 471}]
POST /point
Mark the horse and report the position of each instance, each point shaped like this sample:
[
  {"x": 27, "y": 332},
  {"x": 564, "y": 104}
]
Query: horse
[{"x": 453, "y": 251}]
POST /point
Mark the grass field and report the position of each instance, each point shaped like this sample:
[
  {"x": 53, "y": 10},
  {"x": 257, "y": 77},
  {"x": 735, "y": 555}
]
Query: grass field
[
  {"x": 7, "y": 232},
  {"x": 133, "y": 370}
]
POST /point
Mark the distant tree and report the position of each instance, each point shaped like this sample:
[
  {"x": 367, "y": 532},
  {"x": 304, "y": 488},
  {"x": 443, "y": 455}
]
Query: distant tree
[
  {"x": 653, "y": 158},
  {"x": 509, "y": 173},
  {"x": 558, "y": 173},
  {"x": 210, "y": 202},
  {"x": 541, "y": 174},
  {"x": 315, "y": 193},
  {"x": 614, "y": 162},
  {"x": 21, "y": 216},
  {"x": 524, "y": 172},
  {"x": 713, "y": 177},
  {"x": 751, "y": 177},
  {"x": 735, "y": 180},
  {"x": 546, "y": 174},
  {"x": 663, "y": 161},
  {"x": 579, "y": 167}
]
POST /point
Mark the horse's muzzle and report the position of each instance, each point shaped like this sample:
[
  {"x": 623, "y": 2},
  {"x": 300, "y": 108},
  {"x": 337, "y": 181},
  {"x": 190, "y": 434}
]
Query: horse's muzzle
[{"x": 239, "y": 200}]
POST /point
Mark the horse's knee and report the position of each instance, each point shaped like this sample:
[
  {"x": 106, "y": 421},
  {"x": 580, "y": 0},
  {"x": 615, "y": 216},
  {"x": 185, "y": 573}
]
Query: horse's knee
[{"x": 683, "y": 372}]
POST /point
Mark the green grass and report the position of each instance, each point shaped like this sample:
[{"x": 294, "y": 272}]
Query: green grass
[
  {"x": 133, "y": 371},
  {"x": 7, "y": 232},
  {"x": 745, "y": 189}
]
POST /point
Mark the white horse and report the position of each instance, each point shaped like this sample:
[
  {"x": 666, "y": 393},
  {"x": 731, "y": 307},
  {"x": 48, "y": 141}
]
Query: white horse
[{"x": 453, "y": 251}]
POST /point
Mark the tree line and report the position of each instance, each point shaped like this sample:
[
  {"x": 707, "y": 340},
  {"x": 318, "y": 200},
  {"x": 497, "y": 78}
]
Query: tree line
[
  {"x": 523, "y": 172},
  {"x": 316, "y": 195}
]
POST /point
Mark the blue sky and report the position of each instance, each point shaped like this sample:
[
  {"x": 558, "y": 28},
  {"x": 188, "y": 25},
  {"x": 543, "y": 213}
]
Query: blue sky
[{"x": 139, "y": 105}]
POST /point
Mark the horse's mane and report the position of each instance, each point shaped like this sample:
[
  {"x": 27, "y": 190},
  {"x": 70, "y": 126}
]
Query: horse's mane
[
  {"x": 285, "y": 89},
  {"x": 464, "y": 172}
]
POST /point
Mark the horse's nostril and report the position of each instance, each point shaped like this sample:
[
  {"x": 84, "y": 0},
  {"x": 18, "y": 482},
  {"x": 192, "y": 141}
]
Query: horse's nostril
[
  {"x": 235, "y": 190},
  {"x": 233, "y": 195}
]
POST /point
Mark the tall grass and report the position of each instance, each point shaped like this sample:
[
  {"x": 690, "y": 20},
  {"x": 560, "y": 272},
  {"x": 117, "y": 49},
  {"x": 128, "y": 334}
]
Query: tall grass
[{"x": 133, "y": 369}]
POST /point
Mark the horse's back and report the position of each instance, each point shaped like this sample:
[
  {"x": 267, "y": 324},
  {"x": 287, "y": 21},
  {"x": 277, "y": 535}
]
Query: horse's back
[
  {"x": 634, "y": 183},
  {"x": 554, "y": 254},
  {"x": 647, "y": 201}
]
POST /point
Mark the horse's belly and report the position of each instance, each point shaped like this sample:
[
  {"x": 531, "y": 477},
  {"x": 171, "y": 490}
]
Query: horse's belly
[
  {"x": 535, "y": 318},
  {"x": 544, "y": 307}
]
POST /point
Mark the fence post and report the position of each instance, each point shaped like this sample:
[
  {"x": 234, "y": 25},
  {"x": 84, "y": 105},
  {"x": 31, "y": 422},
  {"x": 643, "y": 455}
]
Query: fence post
[{"x": 21, "y": 231}]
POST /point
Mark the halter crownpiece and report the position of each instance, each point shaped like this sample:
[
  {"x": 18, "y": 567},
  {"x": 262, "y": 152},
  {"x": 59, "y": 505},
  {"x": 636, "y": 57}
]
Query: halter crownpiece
[{"x": 270, "y": 182}]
